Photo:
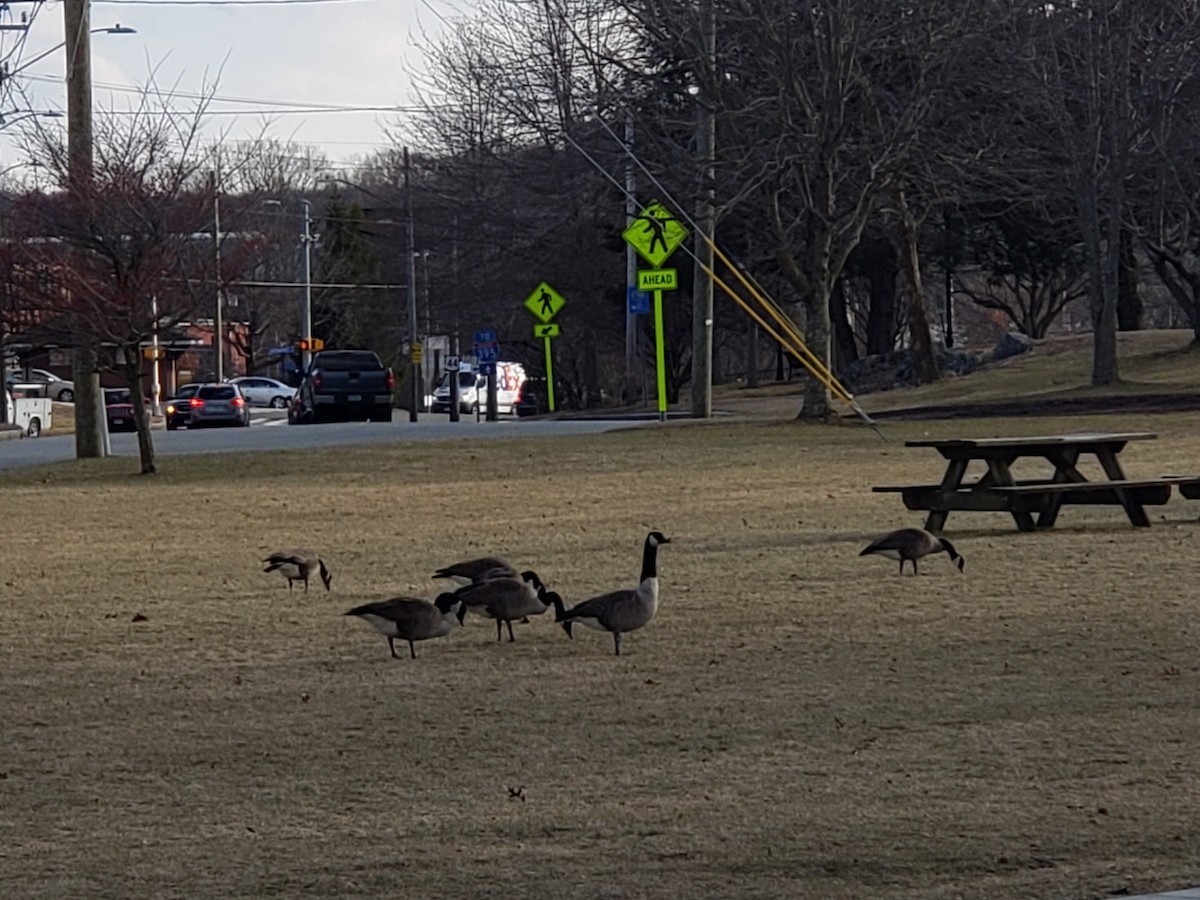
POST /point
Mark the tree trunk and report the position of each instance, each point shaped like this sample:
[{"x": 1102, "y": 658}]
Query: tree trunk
[
  {"x": 89, "y": 406},
  {"x": 132, "y": 375},
  {"x": 881, "y": 318},
  {"x": 817, "y": 336},
  {"x": 924, "y": 365},
  {"x": 752, "y": 355},
  {"x": 1129, "y": 303},
  {"x": 845, "y": 350},
  {"x": 1101, "y": 290}
]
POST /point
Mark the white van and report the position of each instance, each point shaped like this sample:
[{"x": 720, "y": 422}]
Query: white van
[
  {"x": 30, "y": 414},
  {"x": 472, "y": 390}
]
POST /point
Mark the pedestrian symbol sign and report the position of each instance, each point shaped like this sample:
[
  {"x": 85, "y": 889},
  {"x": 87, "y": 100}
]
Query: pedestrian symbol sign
[
  {"x": 544, "y": 302},
  {"x": 655, "y": 233}
]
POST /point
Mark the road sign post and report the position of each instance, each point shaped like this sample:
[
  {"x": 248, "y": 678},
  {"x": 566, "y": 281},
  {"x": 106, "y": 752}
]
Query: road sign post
[
  {"x": 655, "y": 234},
  {"x": 545, "y": 303}
]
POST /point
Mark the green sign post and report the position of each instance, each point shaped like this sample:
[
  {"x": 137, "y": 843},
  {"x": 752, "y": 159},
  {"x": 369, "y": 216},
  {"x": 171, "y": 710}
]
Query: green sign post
[
  {"x": 544, "y": 303},
  {"x": 655, "y": 234}
]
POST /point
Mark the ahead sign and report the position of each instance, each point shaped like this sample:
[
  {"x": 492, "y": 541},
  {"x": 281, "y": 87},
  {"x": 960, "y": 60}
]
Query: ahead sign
[{"x": 658, "y": 279}]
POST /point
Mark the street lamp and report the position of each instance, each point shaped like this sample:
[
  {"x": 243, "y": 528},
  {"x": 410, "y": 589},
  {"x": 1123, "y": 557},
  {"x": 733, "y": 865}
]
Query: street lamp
[{"x": 6, "y": 74}]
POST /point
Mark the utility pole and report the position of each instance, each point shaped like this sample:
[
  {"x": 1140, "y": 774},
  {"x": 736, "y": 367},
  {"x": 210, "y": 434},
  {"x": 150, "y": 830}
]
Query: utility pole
[
  {"x": 702, "y": 288},
  {"x": 218, "y": 322},
  {"x": 306, "y": 309},
  {"x": 631, "y": 211},
  {"x": 410, "y": 275},
  {"x": 89, "y": 416}
]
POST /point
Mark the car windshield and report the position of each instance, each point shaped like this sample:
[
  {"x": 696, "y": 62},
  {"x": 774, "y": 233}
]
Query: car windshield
[
  {"x": 118, "y": 395},
  {"x": 218, "y": 392},
  {"x": 348, "y": 362}
]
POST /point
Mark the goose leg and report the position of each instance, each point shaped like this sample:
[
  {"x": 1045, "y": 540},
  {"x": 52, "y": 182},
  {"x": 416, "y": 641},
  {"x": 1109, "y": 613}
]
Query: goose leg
[
  {"x": 497, "y": 631},
  {"x": 412, "y": 650},
  {"x": 617, "y": 642},
  {"x": 392, "y": 647},
  {"x": 508, "y": 622}
]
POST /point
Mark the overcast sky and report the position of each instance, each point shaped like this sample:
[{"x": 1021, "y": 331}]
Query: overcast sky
[{"x": 270, "y": 59}]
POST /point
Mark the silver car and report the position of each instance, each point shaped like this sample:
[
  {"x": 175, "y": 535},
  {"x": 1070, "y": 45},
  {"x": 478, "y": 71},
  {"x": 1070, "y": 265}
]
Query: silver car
[
  {"x": 48, "y": 384},
  {"x": 218, "y": 404},
  {"x": 262, "y": 391}
]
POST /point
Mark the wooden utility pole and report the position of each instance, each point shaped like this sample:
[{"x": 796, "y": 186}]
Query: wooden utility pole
[
  {"x": 410, "y": 277},
  {"x": 702, "y": 288},
  {"x": 89, "y": 414}
]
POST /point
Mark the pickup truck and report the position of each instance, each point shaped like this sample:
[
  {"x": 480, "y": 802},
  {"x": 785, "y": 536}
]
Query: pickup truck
[{"x": 343, "y": 385}]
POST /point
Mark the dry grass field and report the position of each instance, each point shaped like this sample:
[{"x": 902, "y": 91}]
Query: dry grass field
[{"x": 797, "y": 722}]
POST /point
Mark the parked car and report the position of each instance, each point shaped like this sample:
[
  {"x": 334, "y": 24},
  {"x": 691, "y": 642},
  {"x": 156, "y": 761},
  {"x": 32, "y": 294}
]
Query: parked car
[
  {"x": 118, "y": 408},
  {"x": 262, "y": 391},
  {"x": 218, "y": 404},
  {"x": 49, "y": 384},
  {"x": 177, "y": 410}
]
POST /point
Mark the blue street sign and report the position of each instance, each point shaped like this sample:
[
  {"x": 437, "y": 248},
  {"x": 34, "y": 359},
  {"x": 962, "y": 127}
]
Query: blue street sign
[
  {"x": 487, "y": 368},
  {"x": 488, "y": 354},
  {"x": 639, "y": 301},
  {"x": 487, "y": 336}
]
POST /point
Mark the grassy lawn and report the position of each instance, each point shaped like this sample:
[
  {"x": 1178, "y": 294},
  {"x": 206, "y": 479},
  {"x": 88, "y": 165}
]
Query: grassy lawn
[{"x": 797, "y": 722}]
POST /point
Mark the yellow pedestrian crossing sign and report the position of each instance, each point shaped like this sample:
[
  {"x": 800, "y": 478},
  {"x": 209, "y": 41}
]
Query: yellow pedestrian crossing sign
[
  {"x": 655, "y": 233},
  {"x": 545, "y": 302},
  {"x": 546, "y": 331}
]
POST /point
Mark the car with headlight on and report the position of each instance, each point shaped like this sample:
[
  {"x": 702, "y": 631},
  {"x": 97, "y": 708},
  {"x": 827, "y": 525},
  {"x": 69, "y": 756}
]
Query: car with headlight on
[{"x": 177, "y": 410}]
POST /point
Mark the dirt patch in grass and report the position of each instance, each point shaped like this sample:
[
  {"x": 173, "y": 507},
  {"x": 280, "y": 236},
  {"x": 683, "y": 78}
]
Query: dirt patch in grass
[{"x": 797, "y": 722}]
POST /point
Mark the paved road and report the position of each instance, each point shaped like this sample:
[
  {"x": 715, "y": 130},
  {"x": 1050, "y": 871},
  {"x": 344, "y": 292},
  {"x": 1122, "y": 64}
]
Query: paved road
[{"x": 270, "y": 431}]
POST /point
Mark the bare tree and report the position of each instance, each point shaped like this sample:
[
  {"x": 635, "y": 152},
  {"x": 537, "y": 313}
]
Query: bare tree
[{"x": 94, "y": 270}]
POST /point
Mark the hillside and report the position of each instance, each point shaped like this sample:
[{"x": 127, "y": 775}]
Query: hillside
[{"x": 1159, "y": 369}]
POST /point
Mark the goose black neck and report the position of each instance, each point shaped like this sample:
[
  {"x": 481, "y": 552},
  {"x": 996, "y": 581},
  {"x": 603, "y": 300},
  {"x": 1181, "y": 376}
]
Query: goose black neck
[{"x": 649, "y": 560}]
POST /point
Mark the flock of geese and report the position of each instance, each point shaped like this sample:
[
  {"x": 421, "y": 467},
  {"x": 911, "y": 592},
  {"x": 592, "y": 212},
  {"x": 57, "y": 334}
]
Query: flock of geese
[{"x": 490, "y": 587}]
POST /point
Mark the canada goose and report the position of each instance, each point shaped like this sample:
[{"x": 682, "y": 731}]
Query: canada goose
[
  {"x": 297, "y": 565},
  {"x": 619, "y": 611},
  {"x": 469, "y": 571},
  {"x": 411, "y": 619},
  {"x": 914, "y": 544},
  {"x": 505, "y": 599}
]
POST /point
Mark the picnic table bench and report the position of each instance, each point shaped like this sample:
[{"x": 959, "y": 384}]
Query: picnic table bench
[{"x": 998, "y": 490}]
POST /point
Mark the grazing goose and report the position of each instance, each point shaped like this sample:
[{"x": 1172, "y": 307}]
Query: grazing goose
[
  {"x": 297, "y": 565},
  {"x": 469, "y": 571},
  {"x": 505, "y": 599},
  {"x": 914, "y": 544},
  {"x": 412, "y": 620},
  {"x": 619, "y": 611}
]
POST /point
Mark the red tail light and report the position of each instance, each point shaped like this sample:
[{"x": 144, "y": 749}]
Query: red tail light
[
  {"x": 195, "y": 402},
  {"x": 391, "y": 380},
  {"x": 238, "y": 401},
  {"x": 317, "y": 382}
]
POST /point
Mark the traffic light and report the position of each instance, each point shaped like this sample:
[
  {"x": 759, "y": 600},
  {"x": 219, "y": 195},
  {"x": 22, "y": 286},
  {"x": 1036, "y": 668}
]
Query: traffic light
[
  {"x": 303, "y": 345},
  {"x": 312, "y": 344}
]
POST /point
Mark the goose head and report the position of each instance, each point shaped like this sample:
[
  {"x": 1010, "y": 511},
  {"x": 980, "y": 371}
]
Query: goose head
[
  {"x": 448, "y": 604},
  {"x": 655, "y": 538},
  {"x": 325, "y": 574}
]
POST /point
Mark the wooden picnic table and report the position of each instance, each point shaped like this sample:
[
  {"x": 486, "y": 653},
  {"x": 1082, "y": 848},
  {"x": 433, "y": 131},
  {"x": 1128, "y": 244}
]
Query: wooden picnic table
[{"x": 999, "y": 490}]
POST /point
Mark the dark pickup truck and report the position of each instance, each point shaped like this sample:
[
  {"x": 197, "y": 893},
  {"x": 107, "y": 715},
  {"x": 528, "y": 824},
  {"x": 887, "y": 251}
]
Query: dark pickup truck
[{"x": 343, "y": 385}]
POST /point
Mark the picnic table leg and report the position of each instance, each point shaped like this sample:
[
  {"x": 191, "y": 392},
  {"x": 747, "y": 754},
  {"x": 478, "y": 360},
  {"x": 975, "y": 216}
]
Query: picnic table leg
[
  {"x": 936, "y": 520},
  {"x": 1001, "y": 474},
  {"x": 1112, "y": 468},
  {"x": 1064, "y": 470}
]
